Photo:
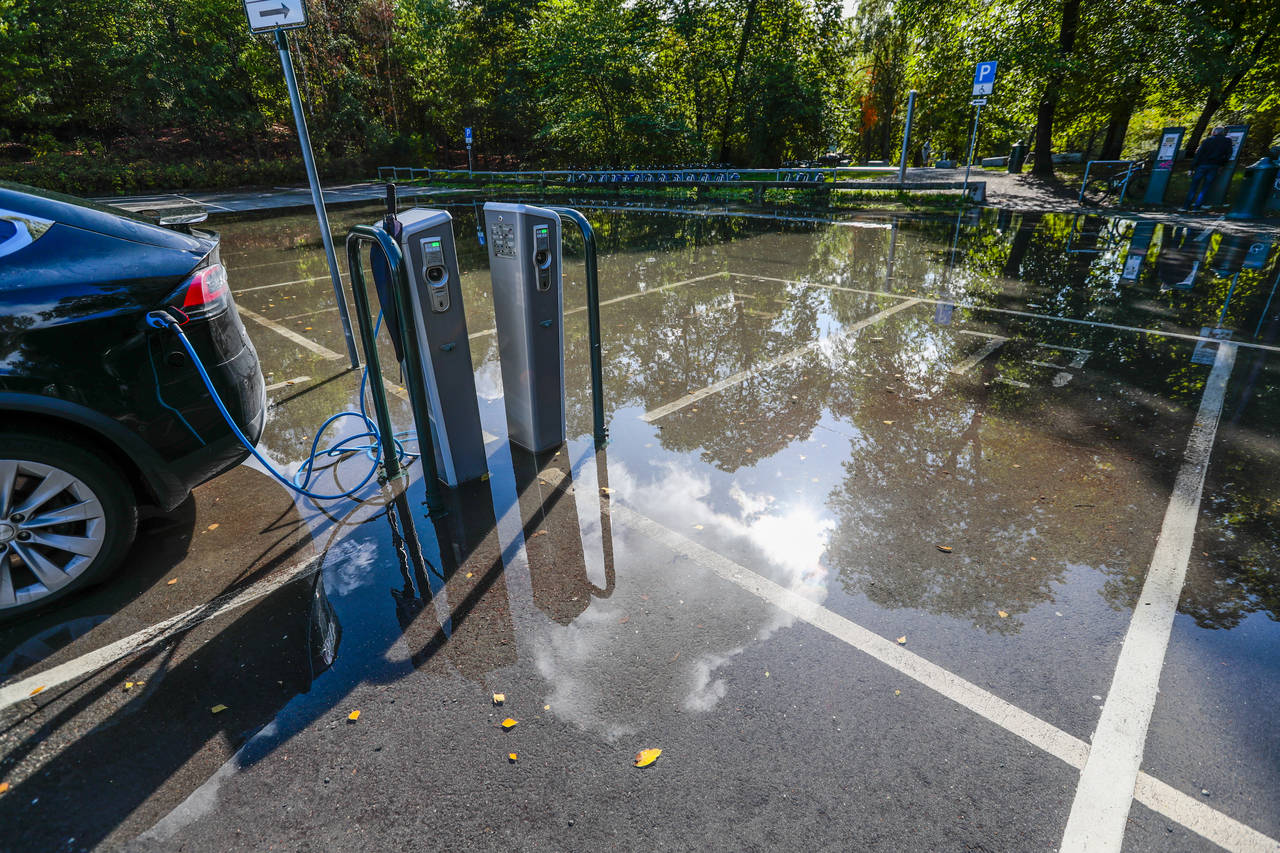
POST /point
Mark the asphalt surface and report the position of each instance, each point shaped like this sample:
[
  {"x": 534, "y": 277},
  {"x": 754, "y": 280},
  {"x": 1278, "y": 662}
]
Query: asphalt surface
[{"x": 890, "y": 513}]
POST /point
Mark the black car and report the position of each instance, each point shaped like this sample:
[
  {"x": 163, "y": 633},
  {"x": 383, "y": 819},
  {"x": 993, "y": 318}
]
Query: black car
[{"x": 100, "y": 413}]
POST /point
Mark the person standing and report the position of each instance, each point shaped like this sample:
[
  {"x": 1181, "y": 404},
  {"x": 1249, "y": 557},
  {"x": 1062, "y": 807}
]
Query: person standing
[{"x": 1213, "y": 154}]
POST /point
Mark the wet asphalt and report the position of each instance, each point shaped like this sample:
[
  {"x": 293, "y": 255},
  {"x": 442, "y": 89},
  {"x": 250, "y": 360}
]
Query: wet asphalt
[{"x": 977, "y": 477}]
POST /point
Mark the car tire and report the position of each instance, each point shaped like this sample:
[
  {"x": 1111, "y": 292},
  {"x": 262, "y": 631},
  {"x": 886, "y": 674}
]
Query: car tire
[{"x": 78, "y": 532}]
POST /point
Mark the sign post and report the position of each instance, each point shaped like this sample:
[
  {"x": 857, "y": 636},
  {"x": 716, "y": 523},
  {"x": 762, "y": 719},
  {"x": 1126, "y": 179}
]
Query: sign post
[
  {"x": 906, "y": 136},
  {"x": 984, "y": 82},
  {"x": 1166, "y": 157},
  {"x": 1217, "y": 193},
  {"x": 466, "y": 132},
  {"x": 280, "y": 16}
]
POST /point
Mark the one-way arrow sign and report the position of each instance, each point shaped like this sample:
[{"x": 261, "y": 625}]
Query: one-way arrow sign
[{"x": 268, "y": 15}]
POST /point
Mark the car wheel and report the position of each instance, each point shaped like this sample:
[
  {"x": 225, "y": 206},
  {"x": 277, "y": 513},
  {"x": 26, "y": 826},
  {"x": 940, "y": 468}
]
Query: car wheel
[{"x": 67, "y": 517}]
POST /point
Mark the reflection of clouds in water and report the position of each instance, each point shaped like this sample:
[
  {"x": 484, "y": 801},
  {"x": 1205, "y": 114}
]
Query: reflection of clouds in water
[
  {"x": 349, "y": 565},
  {"x": 489, "y": 380},
  {"x": 608, "y": 676}
]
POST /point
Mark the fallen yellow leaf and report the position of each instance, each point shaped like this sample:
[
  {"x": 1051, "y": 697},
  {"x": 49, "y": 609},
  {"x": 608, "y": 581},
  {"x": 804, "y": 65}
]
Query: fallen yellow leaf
[
  {"x": 469, "y": 574},
  {"x": 1003, "y": 614},
  {"x": 511, "y": 756},
  {"x": 509, "y": 723},
  {"x": 645, "y": 757},
  {"x": 546, "y": 707},
  {"x": 946, "y": 549},
  {"x": 171, "y": 581},
  {"x": 889, "y": 423},
  {"x": 4, "y": 787},
  {"x": 484, "y": 476},
  {"x": 897, "y": 693},
  {"x": 37, "y": 690},
  {"x": 499, "y": 698},
  {"x": 217, "y": 709},
  {"x": 539, "y": 533},
  {"x": 605, "y": 490},
  {"x": 128, "y": 685},
  {"x": 902, "y": 641},
  {"x": 213, "y": 526},
  {"x": 353, "y": 716}
]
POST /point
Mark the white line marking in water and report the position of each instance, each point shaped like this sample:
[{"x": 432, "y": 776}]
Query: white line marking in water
[
  {"x": 972, "y": 307},
  {"x": 1151, "y": 792},
  {"x": 307, "y": 343},
  {"x": 798, "y": 352},
  {"x": 1106, "y": 789},
  {"x": 972, "y": 361}
]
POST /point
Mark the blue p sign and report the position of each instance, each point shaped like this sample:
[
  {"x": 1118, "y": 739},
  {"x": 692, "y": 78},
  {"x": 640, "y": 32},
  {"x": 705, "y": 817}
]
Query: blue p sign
[
  {"x": 984, "y": 78},
  {"x": 466, "y": 131}
]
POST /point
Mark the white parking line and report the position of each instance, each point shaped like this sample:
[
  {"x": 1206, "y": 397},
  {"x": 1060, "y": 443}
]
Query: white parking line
[
  {"x": 236, "y": 292},
  {"x": 1207, "y": 822},
  {"x": 974, "y": 360},
  {"x": 276, "y": 386},
  {"x": 306, "y": 343},
  {"x": 798, "y": 352},
  {"x": 91, "y": 662},
  {"x": 974, "y": 307},
  {"x": 1106, "y": 788}
]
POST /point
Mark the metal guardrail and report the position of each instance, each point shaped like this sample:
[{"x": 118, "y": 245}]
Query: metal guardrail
[
  {"x": 635, "y": 176},
  {"x": 358, "y": 235}
]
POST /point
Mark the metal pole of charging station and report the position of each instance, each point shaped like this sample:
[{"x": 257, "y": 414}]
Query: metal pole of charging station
[
  {"x": 601, "y": 434},
  {"x": 413, "y": 365},
  {"x": 906, "y": 136},
  {"x": 317, "y": 199}
]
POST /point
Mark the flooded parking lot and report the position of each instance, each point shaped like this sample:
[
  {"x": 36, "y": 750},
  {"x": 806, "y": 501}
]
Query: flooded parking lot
[{"x": 891, "y": 512}]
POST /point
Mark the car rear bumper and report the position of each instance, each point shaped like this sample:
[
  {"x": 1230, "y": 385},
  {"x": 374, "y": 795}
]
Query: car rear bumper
[{"x": 232, "y": 364}]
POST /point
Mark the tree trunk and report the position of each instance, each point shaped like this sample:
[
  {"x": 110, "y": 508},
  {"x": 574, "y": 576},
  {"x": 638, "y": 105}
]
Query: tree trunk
[
  {"x": 727, "y": 122},
  {"x": 1118, "y": 121},
  {"x": 1049, "y": 100},
  {"x": 1211, "y": 105}
]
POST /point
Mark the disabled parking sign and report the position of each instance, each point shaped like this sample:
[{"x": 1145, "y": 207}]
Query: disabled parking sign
[{"x": 984, "y": 78}]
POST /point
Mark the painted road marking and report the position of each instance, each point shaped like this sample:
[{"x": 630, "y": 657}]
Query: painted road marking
[
  {"x": 799, "y": 352},
  {"x": 286, "y": 283},
  {"x": 1106, "y": 788},
  {"x": 91, "y": 662},
  {"x": 993, "y": 343},
  {"x": 1219, "y": 828},
  {"x": 278, "y": 385},
  {"x": 298, "y": 339},
  {"x": 1014, "y": 312}
]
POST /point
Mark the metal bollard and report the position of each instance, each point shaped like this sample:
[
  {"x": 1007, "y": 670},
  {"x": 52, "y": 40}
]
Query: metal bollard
[{"x": 1252, "y": 198}]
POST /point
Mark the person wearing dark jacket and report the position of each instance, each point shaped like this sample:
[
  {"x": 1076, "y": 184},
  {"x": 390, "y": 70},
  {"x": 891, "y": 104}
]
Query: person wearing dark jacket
[{"x": 1213, "y": 154}]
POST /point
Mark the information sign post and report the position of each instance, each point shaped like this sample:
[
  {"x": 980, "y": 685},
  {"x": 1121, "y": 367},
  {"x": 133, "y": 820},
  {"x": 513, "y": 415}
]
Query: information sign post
[
  {"x": 1217, "y": 193},
  {"x": 984, "y": 82},
  {"x": 278, "y": 16},
  {"x": 1162, "y": 170}
]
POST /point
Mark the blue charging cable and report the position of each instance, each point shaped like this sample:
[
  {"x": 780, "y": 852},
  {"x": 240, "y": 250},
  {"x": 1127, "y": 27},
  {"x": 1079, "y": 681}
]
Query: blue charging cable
[{"x": 301, "y": 481}]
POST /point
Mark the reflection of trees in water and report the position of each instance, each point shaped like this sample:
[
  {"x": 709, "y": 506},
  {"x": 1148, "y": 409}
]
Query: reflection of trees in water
[{"x": 1237, "y": 551}]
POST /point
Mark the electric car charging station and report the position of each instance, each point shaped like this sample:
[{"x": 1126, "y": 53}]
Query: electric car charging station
[
  {"x": 440, "y": 324},
  {"x": 528, "y": 302},
  {"x": 415, "y": 267}
]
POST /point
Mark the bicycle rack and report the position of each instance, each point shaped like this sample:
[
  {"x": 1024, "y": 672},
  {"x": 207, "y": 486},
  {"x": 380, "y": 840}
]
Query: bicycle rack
[{"x": 599, "y": 432}]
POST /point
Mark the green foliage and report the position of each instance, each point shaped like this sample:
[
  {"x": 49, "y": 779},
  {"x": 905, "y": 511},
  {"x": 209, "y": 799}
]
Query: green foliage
[{"x": 182, "y": 84}]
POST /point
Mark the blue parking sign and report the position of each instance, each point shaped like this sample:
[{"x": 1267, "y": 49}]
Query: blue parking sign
[
  {"x": 466, "y": 131},
  {"x": 984, "y": 78}
]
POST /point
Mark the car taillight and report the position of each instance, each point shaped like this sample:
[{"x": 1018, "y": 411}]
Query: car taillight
[{"x": 205, "y": 292}]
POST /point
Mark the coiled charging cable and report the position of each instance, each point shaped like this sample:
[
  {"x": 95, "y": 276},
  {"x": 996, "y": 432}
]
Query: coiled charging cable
[{"x": 301, "y": 481}]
